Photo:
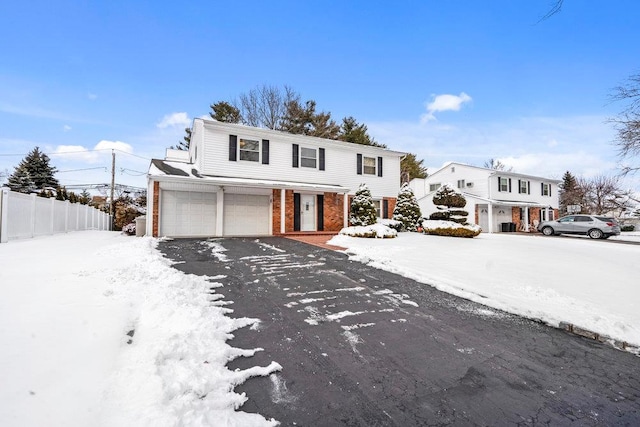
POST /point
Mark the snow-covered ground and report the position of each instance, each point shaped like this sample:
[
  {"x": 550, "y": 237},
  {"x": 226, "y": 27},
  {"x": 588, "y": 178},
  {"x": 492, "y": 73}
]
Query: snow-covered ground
[
  {"x": 591, "y": 284},
  {"x": 67, "y": 303}
]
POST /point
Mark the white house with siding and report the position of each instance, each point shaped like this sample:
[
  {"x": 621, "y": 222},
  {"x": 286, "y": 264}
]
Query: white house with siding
[
  {"x": 237, "y": 180},
  {"x": 494, "y": 197}
]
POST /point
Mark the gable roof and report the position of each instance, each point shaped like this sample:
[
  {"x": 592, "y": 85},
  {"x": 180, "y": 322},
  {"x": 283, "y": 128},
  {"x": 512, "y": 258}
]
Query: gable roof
[
  {"x": 280, "y": 135},
  {"x": 491, "y": 172}
]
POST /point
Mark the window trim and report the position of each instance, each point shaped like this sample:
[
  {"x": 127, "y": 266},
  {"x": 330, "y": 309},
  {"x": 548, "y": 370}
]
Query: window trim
[
  {"x": 365, "y": 166},
  {"x": 314, "y": 158},
  {"x": 546, "y": 189},
  {"x": 434, "y": 187},
  {"x": 256, "y": 151}
]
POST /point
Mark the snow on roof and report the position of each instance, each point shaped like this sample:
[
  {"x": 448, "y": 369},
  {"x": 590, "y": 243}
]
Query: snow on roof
[{"x": 168, "y": 170}]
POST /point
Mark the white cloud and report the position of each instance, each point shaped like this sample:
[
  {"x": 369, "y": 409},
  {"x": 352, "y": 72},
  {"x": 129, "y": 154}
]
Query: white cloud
[
  {"x": 66, "y": 128},
  {"x": 174, "y": 120},
  {"x": 92, "y": 96},
  {"x": 444, "y": 102},
  {"x": 114, "y": 145}
]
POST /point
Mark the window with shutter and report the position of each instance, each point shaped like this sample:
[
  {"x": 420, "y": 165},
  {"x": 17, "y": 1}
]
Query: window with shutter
[{"x": 294, "y": 155}]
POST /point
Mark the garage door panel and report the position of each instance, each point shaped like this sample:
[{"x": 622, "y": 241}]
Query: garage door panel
[
  {"x": 246, "y": 215},
  {"x": 187, "y": 213}
]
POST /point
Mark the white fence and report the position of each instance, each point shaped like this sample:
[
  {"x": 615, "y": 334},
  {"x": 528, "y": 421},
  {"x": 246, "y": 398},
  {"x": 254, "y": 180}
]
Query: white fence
[{"x": 27, "y": 215}]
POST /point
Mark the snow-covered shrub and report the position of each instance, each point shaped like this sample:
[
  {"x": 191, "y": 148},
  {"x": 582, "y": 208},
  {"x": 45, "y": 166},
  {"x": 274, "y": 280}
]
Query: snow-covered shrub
[
  {"x": 407, "y": 210},
  {"x": 447, "y": 198},
  {"x": 129, "y": 229},
  {"x": 391, "y": 223},
  {"x": 450, "y": 228},
  {"x": 376, "y": 230},
  {"x": 627, "y": 227},
  {"x": 362, "y": 210}
]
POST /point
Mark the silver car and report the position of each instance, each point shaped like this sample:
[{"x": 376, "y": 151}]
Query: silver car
[{"x": 596, "y": 227}]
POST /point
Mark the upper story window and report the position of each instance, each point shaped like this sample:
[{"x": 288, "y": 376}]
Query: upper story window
[
  {"x": 434, "y": 187},
  {"x": 308, "y": 157},
  {"x": 546, "y": 189},
  {"x": 504, "y": 184},
  {"x": 461, "y": 183},
  {"x": 249, "y": 150},
  {"x": 369, "y": 165},
  {"x": 523, "y": 187}
]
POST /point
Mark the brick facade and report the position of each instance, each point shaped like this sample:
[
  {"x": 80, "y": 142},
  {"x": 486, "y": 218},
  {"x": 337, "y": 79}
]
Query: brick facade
[
  {"x": 275, "y": 216},
  {"x": 333, "y": 211},
  {"x": 156, "y": 208}
]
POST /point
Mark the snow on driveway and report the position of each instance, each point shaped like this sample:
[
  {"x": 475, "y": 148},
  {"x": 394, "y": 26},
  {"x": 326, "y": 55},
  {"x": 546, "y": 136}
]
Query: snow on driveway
[
  {"x": 67, "y": 303},
  {"x": 591, "y": 284}
]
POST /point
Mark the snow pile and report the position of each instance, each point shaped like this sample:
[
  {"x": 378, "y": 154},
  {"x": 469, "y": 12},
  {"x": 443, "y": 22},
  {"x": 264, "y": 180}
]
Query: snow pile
[
  {"x": 107, "y": 333},
  {"x": 588, "y": 283},
  {"x": 376, "y": 230}
]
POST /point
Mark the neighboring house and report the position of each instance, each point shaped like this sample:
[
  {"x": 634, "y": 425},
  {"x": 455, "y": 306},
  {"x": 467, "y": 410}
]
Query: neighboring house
[
  {"x": 494, "y": 197},
  {"x": 237, "y": 180}
]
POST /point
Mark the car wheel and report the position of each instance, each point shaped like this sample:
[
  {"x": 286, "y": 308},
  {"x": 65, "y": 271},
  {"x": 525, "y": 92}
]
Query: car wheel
[
  {"x": 595, "y": 233},
  {"x": 547, "y": 231}
]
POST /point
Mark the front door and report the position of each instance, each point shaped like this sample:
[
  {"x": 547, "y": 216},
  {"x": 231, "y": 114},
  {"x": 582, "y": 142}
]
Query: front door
[{"x": 308, "y": 212}]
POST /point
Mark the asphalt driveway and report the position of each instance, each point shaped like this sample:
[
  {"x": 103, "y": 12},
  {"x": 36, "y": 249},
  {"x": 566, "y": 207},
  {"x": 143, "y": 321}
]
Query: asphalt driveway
[{"x": 364, "y": 347}]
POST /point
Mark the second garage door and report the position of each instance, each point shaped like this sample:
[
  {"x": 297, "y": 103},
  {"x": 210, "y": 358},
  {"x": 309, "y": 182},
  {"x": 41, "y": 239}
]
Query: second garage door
[
  {"x": 246, "y": 215},
  {"x": 188, "y": 214}
]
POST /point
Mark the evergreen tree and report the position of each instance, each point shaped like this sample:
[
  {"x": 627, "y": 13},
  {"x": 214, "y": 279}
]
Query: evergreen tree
[
  {"x": 59, "y": 194},
  {"x": 411, "y": 168},
  {"x": 85, "y": 197},
  {"x": 407, "y": 210},
  {"x": 570, "y": 192},
  {"x": 362, "y": 210},
  {"x": 303, "y": 120},
  {"x": 186, "y": 141},
  {"x": 447, "y": 198},
  {"x": 20, "y": 180},
  {"x": 225, "y": 112},
  {"x": 33, "y": 173},
  {"x": 352, "y": 131}
]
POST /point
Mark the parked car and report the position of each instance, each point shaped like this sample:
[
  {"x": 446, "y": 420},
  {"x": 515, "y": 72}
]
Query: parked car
[{"x": 596, "y": 227}]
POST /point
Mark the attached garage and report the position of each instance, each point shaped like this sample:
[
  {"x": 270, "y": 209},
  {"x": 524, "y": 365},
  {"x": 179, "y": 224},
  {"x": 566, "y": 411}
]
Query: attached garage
[
  {"x": 247, "y": 215},
  {"x": 187, "y": 213}
]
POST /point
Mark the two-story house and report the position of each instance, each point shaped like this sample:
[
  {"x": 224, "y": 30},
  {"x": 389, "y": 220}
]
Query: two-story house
[
  {"x": 496, "y": 200},
  {"x": 238, "y": 180}
]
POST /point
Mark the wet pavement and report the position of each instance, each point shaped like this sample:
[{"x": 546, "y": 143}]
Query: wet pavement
[{"x": 364, "y": 347}]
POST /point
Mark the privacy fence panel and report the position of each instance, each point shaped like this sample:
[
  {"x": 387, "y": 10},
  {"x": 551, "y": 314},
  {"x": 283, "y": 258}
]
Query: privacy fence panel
[{"x": 27, "y": 215}]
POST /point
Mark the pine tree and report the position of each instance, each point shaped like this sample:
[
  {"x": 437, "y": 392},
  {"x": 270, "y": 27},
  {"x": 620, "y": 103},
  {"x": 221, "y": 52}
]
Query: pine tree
[
  {"x": 411, "y": 167},
  {"x": 20, "y": 180},
  {"x": 85, "y": 197},
  {"x": 570, "y": 192},
  {"x": 352, "y": 131},
  {"x": 407, "y": 210},
  {"x": 447, "y": 198},
  {"x": 303, "y": 120},
  {"x": 33, "y": 173},
  {"x": 362, "y": 210},
  {"x": 186, "y": 141},
  {"x": 225, "y": 112}
]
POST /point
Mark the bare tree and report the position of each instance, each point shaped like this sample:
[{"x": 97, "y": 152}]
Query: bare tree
[
  {"x": 627, "y": 124},
  {"x": 602, "y": 195},
  {"x": 497, "y": 165},
  {"x": 264, "y": 106}
]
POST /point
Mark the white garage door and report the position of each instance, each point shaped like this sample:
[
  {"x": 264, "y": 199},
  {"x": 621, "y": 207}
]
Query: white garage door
[
  {"x": 246, "y": 215},
  {"x": 187, "y": 213}
]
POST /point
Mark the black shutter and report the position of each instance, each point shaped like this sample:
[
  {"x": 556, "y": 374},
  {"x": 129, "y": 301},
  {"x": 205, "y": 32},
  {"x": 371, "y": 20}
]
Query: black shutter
[
  {"x": 528, "y": 187},
  {"x": 385, "y": 208},
  {"x": 265, "y": 151},
  {"x": 321, "y": 159},
  {"x": 519, "y": 186},
  {"x": 379, "y": 166},
  {"x": 233, "y": 148},
  {"x": 542, "y": 188},
  {"x": 499, "y": 184},
  {"x": 359, "y": 165},
  {"x": 320, "y": 203},
  {"x": 295, "y": 156},
  {"x": 509, "y": 185},
  {"x": 296, "y": 211}
]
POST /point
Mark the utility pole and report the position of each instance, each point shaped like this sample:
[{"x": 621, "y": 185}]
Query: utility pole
[{"x": 113, "y": 183}]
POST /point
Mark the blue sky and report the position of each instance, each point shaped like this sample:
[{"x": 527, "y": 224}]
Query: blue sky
[{"x": 448, "y": 80}]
